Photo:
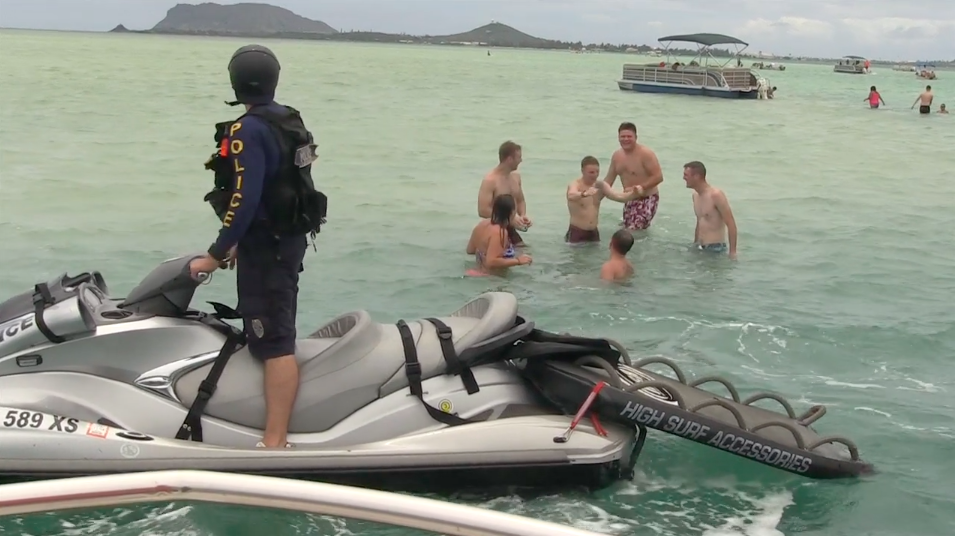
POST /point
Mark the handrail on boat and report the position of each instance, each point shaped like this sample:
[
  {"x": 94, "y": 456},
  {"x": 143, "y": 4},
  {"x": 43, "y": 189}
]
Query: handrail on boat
[{"x": 272, "y": 492}]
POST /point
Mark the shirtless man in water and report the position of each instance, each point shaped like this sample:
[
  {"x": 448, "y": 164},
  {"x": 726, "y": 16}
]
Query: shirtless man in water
[
  {"x": 504, "y": 179},
  {"x": 638, "y": 168},
  {"x": 924, "y": 101},
  {"x": 618, "y": 268},
  {"x": 713, "y": 214},
  {"x": 583, "y": 202}
]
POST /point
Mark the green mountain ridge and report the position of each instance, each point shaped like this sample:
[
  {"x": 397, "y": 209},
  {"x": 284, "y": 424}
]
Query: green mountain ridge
[
  {"x": 258, "y": 20},
  {"x": 265, "y": 20},
  {"x": 496, "y": 33},
  {"x": 237, "y": 19}
]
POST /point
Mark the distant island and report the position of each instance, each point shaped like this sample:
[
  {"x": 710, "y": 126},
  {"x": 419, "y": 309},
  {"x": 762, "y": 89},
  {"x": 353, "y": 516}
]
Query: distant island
[
  {"x": 239, "y": 20},
  {"x": 256, "y": 20}
]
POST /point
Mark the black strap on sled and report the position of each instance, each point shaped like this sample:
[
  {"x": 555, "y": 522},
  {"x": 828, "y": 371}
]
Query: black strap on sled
[
  {"x": 41, "y": 300},
  {"x": 413, "y": 371},
  {"x": 192, "y": 426},
  {"x": 455, "y": 366}
]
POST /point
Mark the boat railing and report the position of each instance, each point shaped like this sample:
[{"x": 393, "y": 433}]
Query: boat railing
[
  {"x": 686, "y": 75},
  {"x": 849, "y": 68},
  {"x": 271, "y": 492},
  {"x": 740, "y": 78}
]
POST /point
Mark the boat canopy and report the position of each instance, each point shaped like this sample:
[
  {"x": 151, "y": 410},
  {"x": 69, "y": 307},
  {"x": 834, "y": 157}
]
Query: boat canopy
[
  {"x": 853, "y": 58},
  {"x": 705, "y": 39}
]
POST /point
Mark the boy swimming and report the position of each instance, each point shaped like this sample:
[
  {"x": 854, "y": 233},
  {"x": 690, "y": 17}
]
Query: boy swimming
[{"x": 618, "y": 268}]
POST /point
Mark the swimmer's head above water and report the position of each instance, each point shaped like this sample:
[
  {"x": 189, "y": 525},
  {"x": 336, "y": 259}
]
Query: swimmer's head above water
[
  {"x": 590, "y": 169},
  {"x": 503, "y": 210},
  {"x": 621, "y": 242},
  {"x": 510, "y": 156},
  {"x": 694, "y": 174},
  {"x": 627, "y": 135},
  {"x": 618, "y": 268}
]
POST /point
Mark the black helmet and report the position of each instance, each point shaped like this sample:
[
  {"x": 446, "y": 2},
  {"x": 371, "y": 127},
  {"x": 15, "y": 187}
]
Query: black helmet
[{"x": 254, "y": 72}]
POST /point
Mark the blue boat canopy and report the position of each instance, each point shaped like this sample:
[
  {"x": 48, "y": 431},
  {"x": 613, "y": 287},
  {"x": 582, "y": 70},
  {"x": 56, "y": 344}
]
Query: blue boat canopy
[{"x": 705, "y": 39}]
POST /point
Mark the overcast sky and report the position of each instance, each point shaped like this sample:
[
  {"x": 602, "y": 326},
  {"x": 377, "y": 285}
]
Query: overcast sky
[{"x": 892, "y": 29}]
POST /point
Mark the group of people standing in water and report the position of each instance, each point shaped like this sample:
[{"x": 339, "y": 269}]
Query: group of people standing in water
[
  {"x": 924, "y": 100},
  {"x": 496, "y": 241}
]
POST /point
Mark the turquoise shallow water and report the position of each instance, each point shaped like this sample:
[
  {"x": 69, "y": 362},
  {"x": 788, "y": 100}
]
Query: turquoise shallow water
[{"x": 842, "y": 294}]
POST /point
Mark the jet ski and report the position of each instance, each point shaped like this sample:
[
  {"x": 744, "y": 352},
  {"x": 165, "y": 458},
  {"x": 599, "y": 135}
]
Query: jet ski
[{"x": 92, "y": 384}]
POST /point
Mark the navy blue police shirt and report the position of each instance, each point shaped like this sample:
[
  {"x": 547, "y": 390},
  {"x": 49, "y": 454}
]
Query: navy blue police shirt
[{"x": 255, "y": 157}]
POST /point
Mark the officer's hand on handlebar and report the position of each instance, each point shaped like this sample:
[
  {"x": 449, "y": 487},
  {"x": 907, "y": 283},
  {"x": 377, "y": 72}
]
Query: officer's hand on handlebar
[
  {"x": 203, "y": 265},
  {"x": 229, "y": 261}
]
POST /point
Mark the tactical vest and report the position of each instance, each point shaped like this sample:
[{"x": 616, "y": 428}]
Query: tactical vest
[{"x": 292, "y": 204}]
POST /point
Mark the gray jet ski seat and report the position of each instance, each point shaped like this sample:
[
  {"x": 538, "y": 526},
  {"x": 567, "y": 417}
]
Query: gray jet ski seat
[{"x": 346, "y": 364}]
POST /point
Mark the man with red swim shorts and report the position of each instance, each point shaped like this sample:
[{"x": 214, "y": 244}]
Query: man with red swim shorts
[{"x": 638, "y": 168}]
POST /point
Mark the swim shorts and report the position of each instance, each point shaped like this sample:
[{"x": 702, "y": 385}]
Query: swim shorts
[
  {"x": 267, "y": 273},
  {"x": 638, "y": 214},
  {"x": 925, "y": 109},
  {"x": 712, "y": 248},
  {"x": 576, "y": 235}
]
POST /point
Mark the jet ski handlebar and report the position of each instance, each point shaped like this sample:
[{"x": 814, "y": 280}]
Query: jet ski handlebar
[{"x": 168, "y": 289}]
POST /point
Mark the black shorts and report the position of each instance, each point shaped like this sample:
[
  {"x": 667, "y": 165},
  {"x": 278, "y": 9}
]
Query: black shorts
[
  {"x": 267, "y": 270},
  {"x": 925, "y": 109}
]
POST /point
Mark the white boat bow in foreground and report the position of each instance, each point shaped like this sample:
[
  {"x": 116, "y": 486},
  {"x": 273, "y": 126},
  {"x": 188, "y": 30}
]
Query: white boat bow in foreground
[{"x": 272, "y": 492}]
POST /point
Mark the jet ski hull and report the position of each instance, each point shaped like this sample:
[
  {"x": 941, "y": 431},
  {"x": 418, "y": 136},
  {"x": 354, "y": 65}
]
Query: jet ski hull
[
  {"x": 513, "y": 451},
  {"x": 92, "y": 384}
]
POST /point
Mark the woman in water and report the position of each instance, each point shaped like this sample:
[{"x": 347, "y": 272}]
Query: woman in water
[
  {"x": 490, "y": 243},
  {"x": 874, "y": 98}
]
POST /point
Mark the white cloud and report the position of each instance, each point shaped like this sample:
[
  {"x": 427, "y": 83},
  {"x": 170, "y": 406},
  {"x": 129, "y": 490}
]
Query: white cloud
[
  {"x": 875, "y": 36},
  {"x": 791, "y": 26},
  {"x": 602, "y": 18},
  {"x": 878, "y": 30}
]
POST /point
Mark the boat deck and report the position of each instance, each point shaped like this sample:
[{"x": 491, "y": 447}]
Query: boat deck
[
  {"x": 735, "y": 79},
  {"x": 850, "y": 69}
]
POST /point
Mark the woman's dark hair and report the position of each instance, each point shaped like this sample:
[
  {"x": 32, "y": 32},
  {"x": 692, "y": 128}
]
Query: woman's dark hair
[
  {"x": 502, "y": 210},
  {"x": 872, "y": 88}
]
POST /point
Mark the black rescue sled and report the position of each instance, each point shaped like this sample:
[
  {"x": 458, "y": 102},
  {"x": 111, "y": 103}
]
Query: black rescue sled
[{"x": 567, "y": 370}]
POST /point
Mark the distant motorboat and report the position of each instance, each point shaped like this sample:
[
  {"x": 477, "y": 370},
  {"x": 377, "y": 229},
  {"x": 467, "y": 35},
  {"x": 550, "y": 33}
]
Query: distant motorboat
[
  {"x": 773, "y": 66},
  {"x": 925, "y": 72}
]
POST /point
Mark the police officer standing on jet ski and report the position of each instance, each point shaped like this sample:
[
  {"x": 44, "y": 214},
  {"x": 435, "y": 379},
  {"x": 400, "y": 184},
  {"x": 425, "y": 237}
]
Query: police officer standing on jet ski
[{"x": 268, "y": 205}]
